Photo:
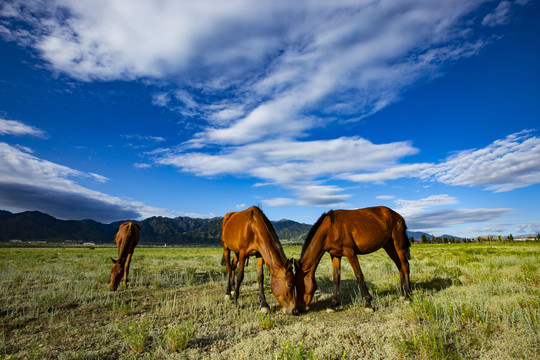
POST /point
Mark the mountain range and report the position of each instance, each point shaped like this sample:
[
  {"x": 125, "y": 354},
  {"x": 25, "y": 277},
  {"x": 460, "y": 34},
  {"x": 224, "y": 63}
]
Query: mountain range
[{"x": 37, "y": 226}]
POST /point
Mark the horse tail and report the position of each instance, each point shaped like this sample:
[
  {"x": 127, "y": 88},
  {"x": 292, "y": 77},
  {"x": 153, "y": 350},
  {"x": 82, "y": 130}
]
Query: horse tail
[
  {"x": 407, "y": 242},
  {"x": 401, "y": 232}
]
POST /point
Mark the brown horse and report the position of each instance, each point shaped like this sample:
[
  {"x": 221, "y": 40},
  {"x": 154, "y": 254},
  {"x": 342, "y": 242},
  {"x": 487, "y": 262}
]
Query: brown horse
[
  {"x": 249, "y": 233},
  {"x": 348, "y": 233},
  {"x": 126, "y": 239}
]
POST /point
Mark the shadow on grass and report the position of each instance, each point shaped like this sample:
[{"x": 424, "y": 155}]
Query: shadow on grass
[
  {"x": 436, "y": 284},
  {"x": 348, "y": 294}
]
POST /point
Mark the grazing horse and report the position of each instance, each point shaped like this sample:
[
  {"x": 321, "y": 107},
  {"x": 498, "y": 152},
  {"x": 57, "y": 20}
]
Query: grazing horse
[
  {"x": 126, "y": 239},
  {"x": 250, "y": 233},
  {"x": 348, "y": 233}
]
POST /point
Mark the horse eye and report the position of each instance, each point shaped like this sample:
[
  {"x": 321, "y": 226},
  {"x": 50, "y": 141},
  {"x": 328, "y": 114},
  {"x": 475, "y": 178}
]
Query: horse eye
[{"x": 290, "y": 285}]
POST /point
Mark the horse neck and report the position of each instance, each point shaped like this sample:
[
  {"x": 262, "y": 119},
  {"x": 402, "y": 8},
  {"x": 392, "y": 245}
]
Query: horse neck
[
  {"x": 314, "y": 253},
  {"x": 271, "y": 255}
]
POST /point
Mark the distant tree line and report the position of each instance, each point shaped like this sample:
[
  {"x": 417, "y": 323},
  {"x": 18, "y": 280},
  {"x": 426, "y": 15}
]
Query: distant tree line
[{"x": 427, "y": 239}]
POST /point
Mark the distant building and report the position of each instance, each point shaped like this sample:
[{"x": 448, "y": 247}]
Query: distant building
[
  {"x": 89, "y": 244},
  {"x": 16, "y": 241}
]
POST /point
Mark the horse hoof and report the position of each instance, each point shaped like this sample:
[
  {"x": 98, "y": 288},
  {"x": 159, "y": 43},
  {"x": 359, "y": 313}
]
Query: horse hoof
[
  {"x": 265, "y": 310},
  {"x": 369, "y": 310},
  {"x": 227, "y": 297},
  {"x": 330, "y": 310}
]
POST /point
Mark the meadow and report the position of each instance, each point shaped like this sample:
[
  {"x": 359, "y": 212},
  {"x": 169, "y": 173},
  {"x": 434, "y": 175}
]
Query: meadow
[{"x": 470, "y": 301}]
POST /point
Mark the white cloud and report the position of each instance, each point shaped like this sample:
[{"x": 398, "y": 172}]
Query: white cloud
[
  {"x": 142, "y": 166},
  {"x": 490, "y": 229},
  {"x": 385, "y": 197},
  {"x": 415, "y": 206},
  {"x": 312, "y": 195},
  {"x": 100, "y": 178},
  {"x": 280, "y": 201},
  {"x": 529, "y": 228},
  {"x": 13, "y": 127},
  {"x": 145, "y": 138},
  {"x": 285, "y": 162},
  {"x": 387, "y": 173},
  {"x": 276, "y": 61},
  {"x": 27, "y": 182},
  {"x": 440, "y": 219},
  {"x": 504, "y": 165},
  {"x": 161, "y": 99},
  {"x": 499, "y": 16},
  {"x": 421, "y": 215}
]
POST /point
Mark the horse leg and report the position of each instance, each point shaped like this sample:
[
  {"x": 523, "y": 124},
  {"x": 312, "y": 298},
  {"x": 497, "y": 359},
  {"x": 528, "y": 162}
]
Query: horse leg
[
  {"x": 260, "y": 276},
  {"x": 241, "y": 264},
  {"x": 403, "y": 266},
  {"x": 336, "y": 264},
  {"x": 360, "y": 278},
  {"x": 126, "y": 269},
  {"x": 227, "y": 258},
  {"x": 402, "y": 246},
  {"x": 234, "y": 264}
]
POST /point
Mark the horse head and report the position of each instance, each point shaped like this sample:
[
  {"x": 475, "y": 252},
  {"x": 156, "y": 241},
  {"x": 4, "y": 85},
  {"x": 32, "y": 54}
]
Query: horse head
[
  {"x": 282, "y": 286},
  {"x": 305, "y": 286},
  {"x": 117, "y": 271}
]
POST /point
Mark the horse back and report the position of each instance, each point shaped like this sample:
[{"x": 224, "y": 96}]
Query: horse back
[
  {"x": 127, "y": 238},
  {"x": 241, "y": 230},
  {"x": 236, "y": 230},
  {"x": 365, "y": 230}
]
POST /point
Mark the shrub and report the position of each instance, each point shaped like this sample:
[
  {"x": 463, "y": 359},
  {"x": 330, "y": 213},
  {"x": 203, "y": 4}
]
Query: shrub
[
  {"x": 177, "y": 337},
  {"x": 135, "y": 334},
  {"x": 292, "y": 351},
  {"x": 266, "y": 322}
]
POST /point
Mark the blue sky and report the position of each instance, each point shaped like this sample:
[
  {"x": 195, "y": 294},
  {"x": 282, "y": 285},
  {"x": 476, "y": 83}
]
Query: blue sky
[{"x": 112, "y": 110}]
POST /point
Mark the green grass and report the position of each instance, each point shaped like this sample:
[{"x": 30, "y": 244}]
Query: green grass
[{"x": 470, "y": 301}]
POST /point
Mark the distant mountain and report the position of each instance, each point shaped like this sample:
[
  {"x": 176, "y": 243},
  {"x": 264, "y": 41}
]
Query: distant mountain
[
  {"x": 37, "y": 226},
  {"x": 416, "y": 234},
  {"x": 291, "y": 230}
]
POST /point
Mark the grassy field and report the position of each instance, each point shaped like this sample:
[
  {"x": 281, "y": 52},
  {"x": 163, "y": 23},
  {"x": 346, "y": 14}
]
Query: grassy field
[{"x": 470, "y": 301}]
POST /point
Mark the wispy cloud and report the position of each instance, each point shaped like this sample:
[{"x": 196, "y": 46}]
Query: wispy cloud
[
  {"x": 27, "y": 182},
  {"x": 529, "y": 228},
  {"x": 13, "y": 127},
  {"x": 385, "y": 197},
  {"x": 440, "y": 219},
  {"x": 142, "y": 166},
  {"x": 433, "y": 212},
  {"x": 144, "y": 137},
  {"x": 285, "y": 161},
  {"x": 504, "y": 165},
  {"x": 276, "y": 61},
  {"x": 499, "y": 16}
]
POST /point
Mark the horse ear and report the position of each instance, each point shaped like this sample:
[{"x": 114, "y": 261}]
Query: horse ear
[
  {"x": 289, "y": 263},
  {"x": 113, "y": 261}
]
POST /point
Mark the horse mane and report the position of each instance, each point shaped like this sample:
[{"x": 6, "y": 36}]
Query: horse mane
[
  {"x": 313, "y": 230},
  {"x": 272, "y": 232}
]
